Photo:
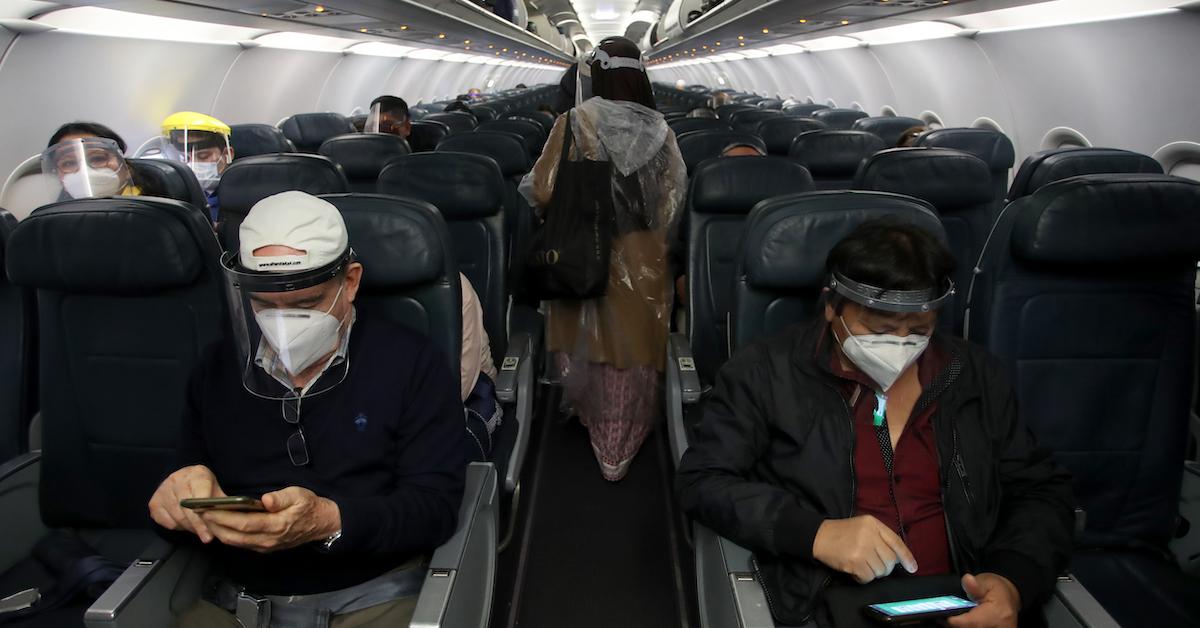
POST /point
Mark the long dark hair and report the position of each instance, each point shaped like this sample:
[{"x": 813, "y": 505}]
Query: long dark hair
[{"x": 622, "y": 83}]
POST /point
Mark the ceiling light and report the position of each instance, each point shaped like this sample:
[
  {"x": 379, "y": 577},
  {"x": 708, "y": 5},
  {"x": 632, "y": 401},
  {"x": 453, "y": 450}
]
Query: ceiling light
[
  {"x": 381, "y": 49},
  {"x": 467, "y": 41},
  {"x": 804, "y": 21},
  {"x": 766, "y": 31},
  {"x": 441, "y": 35},
  {"x": 404, "y": 27},
  {"x": 304, "y": 41},
  {"x": 845, "y": 22},
  {"x": 319, "y": 9}
]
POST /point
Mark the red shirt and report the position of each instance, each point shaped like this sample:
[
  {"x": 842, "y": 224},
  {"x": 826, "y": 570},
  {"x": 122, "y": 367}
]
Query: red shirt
[{"x": 909, "y": 501}]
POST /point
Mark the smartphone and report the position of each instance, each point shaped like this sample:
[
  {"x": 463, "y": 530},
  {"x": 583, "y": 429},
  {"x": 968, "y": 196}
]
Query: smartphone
[
  {"x": 906, "y": 611},
  {"x": 245, "y": 504}
]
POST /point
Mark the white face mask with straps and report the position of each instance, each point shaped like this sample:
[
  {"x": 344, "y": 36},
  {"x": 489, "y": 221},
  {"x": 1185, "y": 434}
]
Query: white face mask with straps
[
  {"x": 89, "y": 182},
  {"x": 883, "y": 357},
  {"x": 300, "y": 337}
]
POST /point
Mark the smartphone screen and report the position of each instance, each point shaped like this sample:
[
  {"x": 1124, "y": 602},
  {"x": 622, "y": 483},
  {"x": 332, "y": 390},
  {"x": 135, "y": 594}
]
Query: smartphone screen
[
  {"x": 248, "y": 504},
  {"x": 942, "y": 606}
]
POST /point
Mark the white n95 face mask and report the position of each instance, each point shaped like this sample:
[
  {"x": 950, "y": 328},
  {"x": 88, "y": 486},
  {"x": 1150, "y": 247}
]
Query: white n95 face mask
[
  {"x": 207, "y": 174},
  {"x": 90, "y": 182},
  {"x": 300, "y": 337},
  {"x": 883, "y": 357}
]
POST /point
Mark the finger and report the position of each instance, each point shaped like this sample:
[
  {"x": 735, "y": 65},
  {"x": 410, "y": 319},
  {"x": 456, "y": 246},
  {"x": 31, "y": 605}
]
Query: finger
[
  {"x": 887, "y": 557},
  {"x": 199, "y": 485},
  {"x": 897, "y": 545},
  {"x": 974, "y": 617},
  {"x": 280, "y": 500},
  {"x": 972, "y": 587},
  {"x": 878, "y": 567},
  {"x": 256, "y": 542},
  {"x": 196, "y": 524},
  {"x": 246, "y": 522}
]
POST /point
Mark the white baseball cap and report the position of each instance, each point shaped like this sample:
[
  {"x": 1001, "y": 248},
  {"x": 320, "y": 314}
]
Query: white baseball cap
[{"x": 296, "y": 220}]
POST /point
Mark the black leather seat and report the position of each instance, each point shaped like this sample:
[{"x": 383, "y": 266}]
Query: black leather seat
[
  {"x": 779, "y": 132},
  {"x": 121, "y": 327},
  {"x": 486, "y": 113},
  {"x": 843, "y": 119},
  {"x": 993, "y": 147},
  {"x": 833, "y": 157},
  {"x": 362, "y": 155},
  {"x": 545, "y": 120},
  {"x": 248, "y": 181},
  {"x": 888, "y": 128},
  {"x": 781, "y": 263},
  {"x": 687, "y": 125},
  {"x": 959, "y": 186},
  {"x": 805, "y": 110},
  {"x": 426, "y": 134},
  {"x": 308, "y": 130},
  {"x": 170, "y": 179},
  {"x": 458, "y": 121},
  {"x": 698, "y": 146},
  {"x": 770, "y": 103},
  {"x": 747, "y": 121},
  {"x": 18, "y": 389},
  {"x": 249, "y": 140},
  {"x": 1049, "y": 166},
  {"x": 722, "y": 192},
  {"x": 531, "y": 133},
  {"x": 725, "y": 111},
  {"x": 1086, "y": 294},
  {"x": 507, "y": 150}
]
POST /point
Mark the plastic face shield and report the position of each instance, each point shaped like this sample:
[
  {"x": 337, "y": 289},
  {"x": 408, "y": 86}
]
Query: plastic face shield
[
  {"x": 380, "y": 121},
  {"x": 583, "y": 78},
  {"x": 898, "y": 301},
  {"x": 198, "y": 147},
  {"x": 90, "y": 167}
]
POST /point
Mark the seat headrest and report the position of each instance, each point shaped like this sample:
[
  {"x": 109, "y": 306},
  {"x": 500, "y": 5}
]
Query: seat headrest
[
  {"x": 248, "y": 181},
  {"x": 750, "y": 118},
  {"x": 308, "y": 130},
  {"x": 120, "y": 246},
  {"x": 507, "y": 149},
  {"x": 888, "y": 128},
  {"x": 248, "y": 140},
  {"x": 698, "y": 146},
  {"x": 804, "y": 110},
  {"x": 951, "y": 180},
  {"x": 724, "y": 111},
  {"x": 456, "y": 120},
  {"x": 734, "y": 185},
  {"x": 789, "y": 237},
  {"x": 779, "y": 131},
  {"x": 362, "y": 155},
  {"x": 426, "y": 134},
  {"x": 839, "y": 118},
  {"x": 993, "y": 147},
  {"x": 1110, "y": 221},
  {"x": 459, "y": 185},
  {"x": 687, "y": 125},
  {"x": 169, "y": 179},
  {"x": 1049, "y": 166},
  {"x": 400, "y": 242},
  {"x": 832, "y": 153}
]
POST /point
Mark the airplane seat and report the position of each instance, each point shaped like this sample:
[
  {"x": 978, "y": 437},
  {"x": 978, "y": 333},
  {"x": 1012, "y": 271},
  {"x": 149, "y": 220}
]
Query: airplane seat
[
  {"x": 747, "y": 121},
  {"x": 27, "y": 188},
  {"x": 458, "y": 121},
  {"x": 959, "y": 186},
  {"x": 687, "y": 125},
  {"x": 362, "y": 156},
  {"x": 804, "y": 110},
  {"x": 842, "y": 119},
  {"x": 1048, "y": 166},
  {"x": 698, "y": 146},
  {"x": 120, "y": 328},
  {"x": 248, "y": 140},
  {"x": 530, "y": 132},
  {"x": 888, "y": 128},
  {"x": 359, "y": 120},
  {"x": 248, "y": 181},
  {"x": 18, "y": 389},
  {"x": 780, "y": 131},
  {"x": 169, "y": 179},
  {"x": 725, "y": 111},
  {"x": 993, "y": 147},
  {"x": 546, "y": 120},
  {"x": 308, "y": 130},
  {"x": 485, "y": 113},
  {"x": 1085, "y": 293},
  {"x": 773, "y": 104},
  {"x": 833, "y": 156},
  {"x": 426, "y": 134}
]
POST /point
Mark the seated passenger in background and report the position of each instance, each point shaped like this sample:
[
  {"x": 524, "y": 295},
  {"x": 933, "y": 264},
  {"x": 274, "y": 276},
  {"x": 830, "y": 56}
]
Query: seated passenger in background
[
  {"x": 478, "y": 374},
  {"x": 869, "y": 443},
  {"x": 202, "y": 142},
  {"x": 459, "y": 105},
  {"x": 389, "y": 114},
  {"x": 909, "y": 136},
  {"x": 702, "y": 112},
  {"x": 87, "y": 159},
  {"x": 742, "y": 150},
  {"x": 345, "y": 426},
  {"x": 720, "y": 98}
]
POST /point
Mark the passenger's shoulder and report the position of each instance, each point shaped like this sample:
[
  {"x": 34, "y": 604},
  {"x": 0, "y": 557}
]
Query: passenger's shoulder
[{"x": 769, "y": 352}]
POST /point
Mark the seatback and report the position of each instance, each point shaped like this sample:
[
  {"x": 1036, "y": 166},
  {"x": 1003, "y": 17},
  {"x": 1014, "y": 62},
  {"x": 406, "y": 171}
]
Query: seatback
[
  {"x": 250, "y": 180},
  {"x": 722, "y": 192},
  {"x": 993, "y": 147},
  {"x": 725, "y": 111},
  {"x": 530, "y": 132},
  {"x": 770, "y": 103},
  {"x": 308, "y": 130},
  {"x": 468, "y": 190},
  {"x": 687, "y": 125},
  {"x": 699, "y": 146},
  {"x": 120, "y": 328},
  {"x": 484, "y": 113},
  {"x": 748, "y": 120},
  {"x": 544, "y": 119},
  {"x": 804, "y": 110},
  {"x": 169, "y": 179},
  {"x": 457, "y": 121},
  {"x": 833, "y": 157},
  {"x": 18, "y": 380},
  {"x": 506, "y": 150},
  {"x": 959, "y": 186},
  {"x": 781, "y": 263},
  {"x": 249, "y": 140},
  {"x": 359, "y": 121},
  {"x": 779, "y": 132},
  {"x": 1048, "y": 166},
  {"x": 409, "y": 273},
  {"x": 842, "y": 119},
  {"x": 1085, "y": 293},
  {"x": 888, "y": 128},
  {"x": 362, "y": 155},
  {"x": 426, "y": 135}
]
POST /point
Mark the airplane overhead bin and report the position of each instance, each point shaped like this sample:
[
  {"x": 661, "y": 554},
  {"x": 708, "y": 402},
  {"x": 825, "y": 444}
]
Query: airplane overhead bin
[{"x": 675, "y": 19}]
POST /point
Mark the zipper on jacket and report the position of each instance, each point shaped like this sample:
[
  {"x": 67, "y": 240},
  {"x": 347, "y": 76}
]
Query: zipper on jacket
[
  {"x": 961, "y": 469},
  {"x": 762, "y": 583}
]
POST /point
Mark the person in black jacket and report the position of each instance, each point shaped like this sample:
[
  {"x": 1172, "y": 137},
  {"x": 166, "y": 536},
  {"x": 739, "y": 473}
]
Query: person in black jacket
[{"x": 867, "y": 446}]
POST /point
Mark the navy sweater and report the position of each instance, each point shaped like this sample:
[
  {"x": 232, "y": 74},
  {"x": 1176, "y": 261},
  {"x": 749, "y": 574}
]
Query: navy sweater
[{"x": 387, "y": 445}]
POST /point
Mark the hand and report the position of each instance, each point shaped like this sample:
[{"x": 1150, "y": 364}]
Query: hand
[
  {"x": 294, "y": 516},
  {"x": 196, "y": 482},
  {"x": 998, "y": 599},
  {"x": 861, "y": 547}
]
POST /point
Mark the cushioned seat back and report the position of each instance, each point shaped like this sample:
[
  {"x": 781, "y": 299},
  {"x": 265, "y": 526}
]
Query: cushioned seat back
[
  {"x": 781, "y": 264},
  {"x": 959, "y": 186},
  {"x": 169, "y": 179},
  {"x": 248, "y": 181},
  {"x": 544, "y": 119},
  {"x": 804, "y": 110},
  {"x": 725, "y": 111},
  {"x": 362, "y": 156},
  {"x": 426, "y": 134},
  {"x": 530, "y": 132},
  {"x": 409, "y": 273},
  {"x": 722, "y": 192},
  {"x": 774, "y": 104},
  {"x": 249, "y": 140},
  {"x": 1049, "y": 166},
  {"x": 780, "y": 131},
  {"x": 507, "y": 150},
  {"x": 1085, "y": 291},
  {"x": 308, "y": 130},
  {"x": 468, "y": 190},
  {"x": 833, "y": 157},
  {"x": 747, "y": 121},
  {"x": 484, "y": 113},
  {"x": 699, "y": 146},
  {"x": 359, "y": 121},
  {"x": 839, "y": 118},
  {"x": 686, "y": 125},
  {"x": 458, "y": 121},
  {"x": 17, "y": 345},
  {"x": 120, "y": 328},
  {"x": 888, "y": 128},
  {"x": 993, "y": 147}
]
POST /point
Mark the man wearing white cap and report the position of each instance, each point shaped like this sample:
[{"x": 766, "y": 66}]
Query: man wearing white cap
[{"x": 342, "y": 433}]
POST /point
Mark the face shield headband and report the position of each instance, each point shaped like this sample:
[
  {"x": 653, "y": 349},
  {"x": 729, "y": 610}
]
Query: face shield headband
[
  {"x": 902, "y": 301},
  {"x": 583, "y": 78},
  {"x": 251, "y": 281}
]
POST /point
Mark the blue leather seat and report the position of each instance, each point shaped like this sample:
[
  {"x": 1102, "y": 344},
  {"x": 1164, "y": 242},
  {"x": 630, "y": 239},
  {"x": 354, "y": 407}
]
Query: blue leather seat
[
  {"x": 170, "y": 179},
  {"x": 774, "y": 104},
  {"x": 362, "y": 156},
  {"x": 993, "y": 147},
  {"x": 843, "y": 119},
  {"x": 804, "y": 110},
  {"x": 747, "y": 121},
  {"x": 458, "y": 121},
  {"x": 531, "y": 133},
  {"x": 1048, "y": 166},
  {"x": 698, "y": 146},
  {"x": 687, "y": 125},
  {"x": 18, "y": 378},
  {"x": 888, "y": 128},
  {"x": 248, "y": 140},
  {"x": 833, "y": 156},
  {"x": 780, "y": 131},
  {"x": 308, "y": 130},
  {"x": 545, "y": 120},
  {"x": 248, "y": 181},
  {"x": 725, "y": 111}
]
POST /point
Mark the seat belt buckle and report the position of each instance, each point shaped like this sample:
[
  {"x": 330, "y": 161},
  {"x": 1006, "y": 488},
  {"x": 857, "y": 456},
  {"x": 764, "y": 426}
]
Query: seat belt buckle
[
  {"x": 20, "y": 601},
  {"x": 253, "y": 611}
]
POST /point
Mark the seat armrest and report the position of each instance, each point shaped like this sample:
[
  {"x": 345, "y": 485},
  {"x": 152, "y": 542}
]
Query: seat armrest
[
  {"x": 163, "y": 581},
  {"x": 683, "y": 388},
  {"x": 457, "y": 592},
  {"x": 23, "y": 525},
  {"x": 1071, "y": 602},
  {"x": 728, "y": 590},
  {"x": 515, "y": 383}
]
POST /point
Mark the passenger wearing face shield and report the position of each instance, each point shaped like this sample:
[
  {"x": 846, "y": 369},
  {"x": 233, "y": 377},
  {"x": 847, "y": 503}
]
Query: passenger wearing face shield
[
  {"x": 86, "y": 160},
  {"x": 868, "y": 446},
  {"x": 202, "y": 142},
  {"x": 349, "y": 430},
  {"x": 389, "y": 114}
]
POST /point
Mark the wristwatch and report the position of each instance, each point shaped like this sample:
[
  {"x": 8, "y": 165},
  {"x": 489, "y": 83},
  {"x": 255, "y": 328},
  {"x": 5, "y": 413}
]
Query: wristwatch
[{"x": 327, "y": 544}]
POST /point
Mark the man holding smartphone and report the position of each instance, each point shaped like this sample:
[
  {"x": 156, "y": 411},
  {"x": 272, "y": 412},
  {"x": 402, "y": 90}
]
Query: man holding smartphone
[{"x": 346, "y": 428}]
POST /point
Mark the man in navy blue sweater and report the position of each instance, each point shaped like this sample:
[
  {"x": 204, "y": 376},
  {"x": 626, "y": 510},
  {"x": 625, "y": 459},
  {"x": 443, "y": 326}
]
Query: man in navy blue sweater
[{"x": 348, "y": 429}]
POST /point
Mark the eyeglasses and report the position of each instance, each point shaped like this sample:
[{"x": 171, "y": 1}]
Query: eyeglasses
[{"x": 297, "y": 447}]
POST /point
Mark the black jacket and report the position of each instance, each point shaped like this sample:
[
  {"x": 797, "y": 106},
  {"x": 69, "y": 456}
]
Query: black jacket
[{"x": 772, "y": 457}]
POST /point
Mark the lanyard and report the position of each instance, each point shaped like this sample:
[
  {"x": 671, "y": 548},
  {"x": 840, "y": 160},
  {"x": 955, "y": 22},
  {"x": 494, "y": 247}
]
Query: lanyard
[{"x": 880, "y": 409}]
